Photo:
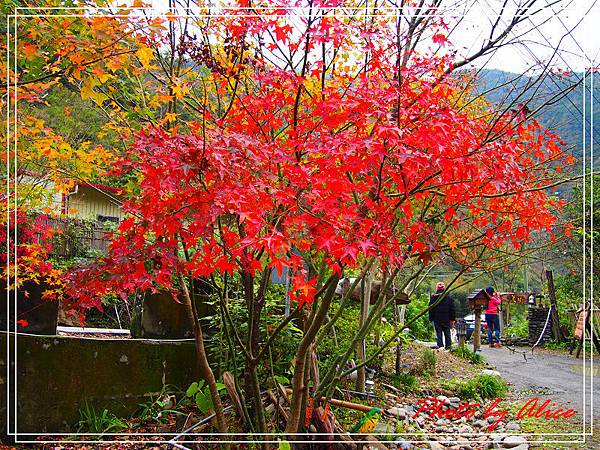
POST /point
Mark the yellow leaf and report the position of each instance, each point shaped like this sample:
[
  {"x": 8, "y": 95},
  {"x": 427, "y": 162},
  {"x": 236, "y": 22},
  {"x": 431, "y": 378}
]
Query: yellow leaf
[
  {"x": 145, "y": 55},
  {"x": 88, "y": 92},
  {"x": 177, "y": 91}
]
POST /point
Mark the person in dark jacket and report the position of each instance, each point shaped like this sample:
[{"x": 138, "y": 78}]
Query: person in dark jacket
[{"x": 442, "y": 315}]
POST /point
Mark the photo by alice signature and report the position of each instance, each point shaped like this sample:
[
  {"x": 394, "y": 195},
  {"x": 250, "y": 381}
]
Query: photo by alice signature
[{"x": 534, "y": 408}]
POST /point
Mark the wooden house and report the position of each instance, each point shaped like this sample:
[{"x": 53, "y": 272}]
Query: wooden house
[
  {"x": 92, "y": 201},
  {"x": 88, "y": 201}
]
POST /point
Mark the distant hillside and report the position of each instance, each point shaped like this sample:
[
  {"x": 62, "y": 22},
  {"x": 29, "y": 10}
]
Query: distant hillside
[{"x": 563, "y": 116}]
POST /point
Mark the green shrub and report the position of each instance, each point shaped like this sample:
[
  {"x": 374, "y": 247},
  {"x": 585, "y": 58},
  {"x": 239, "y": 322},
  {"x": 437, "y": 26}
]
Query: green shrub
[
  {"x": 482, "y": 387},
  {"x": 427, "y": 362},
  {"x": 421, "y": 328},
  {"x": 467, "y": 390},
  {"x": 464, "y": 352},
  {"x": 555, "y": 345},
  {"x": 517, "y": 328},
  {"x": 490, "y": 386},
  {"x": 406, "y": 382}
]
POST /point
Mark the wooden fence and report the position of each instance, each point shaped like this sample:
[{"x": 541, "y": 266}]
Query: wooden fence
[{"x": 77, "y": 238}]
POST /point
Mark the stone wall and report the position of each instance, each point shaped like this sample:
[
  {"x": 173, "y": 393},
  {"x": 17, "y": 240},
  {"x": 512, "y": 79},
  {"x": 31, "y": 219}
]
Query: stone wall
[{"x": 58, "y": 374}]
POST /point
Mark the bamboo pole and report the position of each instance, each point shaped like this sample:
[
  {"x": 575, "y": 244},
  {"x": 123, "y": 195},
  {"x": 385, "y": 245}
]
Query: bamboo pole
[{"x": 342, "y": 403}]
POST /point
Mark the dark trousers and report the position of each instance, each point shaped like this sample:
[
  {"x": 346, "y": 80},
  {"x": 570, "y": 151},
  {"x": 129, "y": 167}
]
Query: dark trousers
[
  {"x": 442, "y": 329},
  {"x": 493, "y": 324}
]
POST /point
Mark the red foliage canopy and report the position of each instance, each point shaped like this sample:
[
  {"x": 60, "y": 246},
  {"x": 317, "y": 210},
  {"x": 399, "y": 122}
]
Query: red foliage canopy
[{"x": 363, "y": 165}]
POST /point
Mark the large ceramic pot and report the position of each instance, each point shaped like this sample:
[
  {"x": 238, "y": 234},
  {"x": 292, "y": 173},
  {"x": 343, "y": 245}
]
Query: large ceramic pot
[
  {"x": 162, "y": 317},
  {"x": 35, "y": 315}
]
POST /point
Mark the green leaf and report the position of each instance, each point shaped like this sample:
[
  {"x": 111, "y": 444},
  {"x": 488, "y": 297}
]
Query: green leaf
[
  {"x": 191, "y": 391},
  {"x": 220, "y": 386},
  {"x": 284, "y": 445},
  {"x": 204, "y": 401},
  {"x": 281, "y": 379}
]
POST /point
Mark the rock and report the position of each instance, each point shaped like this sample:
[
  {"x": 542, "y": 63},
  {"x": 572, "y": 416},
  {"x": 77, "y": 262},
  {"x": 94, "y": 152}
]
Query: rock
[
  {"x": 383, "y": 428},
  {"x": 465, "y": 429},
  {"x": 521, "y": 447},
  {"x": 403, "y": 445},
  {"x": 436, "y": 446},
  {"x": 454, "y": 399},
  {"x": 492, "y": 419},
  {"x": 398, "y": 412},
  {"x": 497, "y": 437},
  {"x": 420, "y": 420},
  {"x": 513, "y": 426},
  {"x": 440, "y": 429},
  {"x": 513, "y": 441},
  {"x": 443, "y": 399},
  {"x": 466, "y": 447},
  {"x": 440, "y": 422},
  {"x": 491, "y": 372},
  {"x": 479, "y": 423}
]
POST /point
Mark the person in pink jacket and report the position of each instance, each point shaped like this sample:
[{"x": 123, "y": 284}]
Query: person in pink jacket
[{"x": 491, "y": 317}]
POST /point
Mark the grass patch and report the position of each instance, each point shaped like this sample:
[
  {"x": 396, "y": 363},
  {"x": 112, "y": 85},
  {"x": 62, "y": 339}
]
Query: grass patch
[
  {"x": 465, "y": 353},
  {"x": 555, "y": 345},
  {"x": 406, "y": 383},
  {"x": 481, "y": 387},
  {"x": 98, "y": 422},
  {"x": 426, "y": 366}
]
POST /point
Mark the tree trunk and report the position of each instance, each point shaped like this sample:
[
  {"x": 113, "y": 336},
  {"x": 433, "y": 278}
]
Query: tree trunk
[
  {"x": 298, "y": 386},
  {"x": 250, "y": 373},
  {"x": 205, "y": 370}
]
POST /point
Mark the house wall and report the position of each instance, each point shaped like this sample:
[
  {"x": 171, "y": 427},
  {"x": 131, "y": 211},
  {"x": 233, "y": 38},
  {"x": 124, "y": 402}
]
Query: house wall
[{"x": 88, "y": 203}]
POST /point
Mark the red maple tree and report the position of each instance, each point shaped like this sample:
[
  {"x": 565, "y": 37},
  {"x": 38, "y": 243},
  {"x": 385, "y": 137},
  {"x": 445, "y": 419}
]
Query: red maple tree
[{"x": 320, "y": 171}]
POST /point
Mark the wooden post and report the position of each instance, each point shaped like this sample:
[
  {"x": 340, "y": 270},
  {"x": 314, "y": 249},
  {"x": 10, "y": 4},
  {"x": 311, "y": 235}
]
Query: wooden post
[
  {"x": 361, "y": 355},
  {"x": 553, "y": 305},
  {"x": 477, "y": 330}
]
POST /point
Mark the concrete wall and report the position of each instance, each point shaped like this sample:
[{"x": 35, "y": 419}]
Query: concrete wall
[{"x": 57, "y": 374}]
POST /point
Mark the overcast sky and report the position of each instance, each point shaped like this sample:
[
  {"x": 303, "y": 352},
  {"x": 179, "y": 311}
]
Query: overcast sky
[
  {"x": 579, "y": 18},
  {"x": 573, "y": 25}
]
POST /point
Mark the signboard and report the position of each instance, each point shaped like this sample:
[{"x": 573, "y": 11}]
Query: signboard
[{"x": 518, "y": 298}]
